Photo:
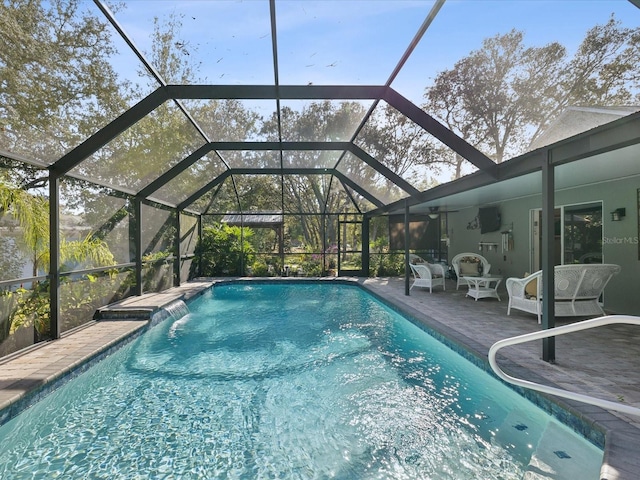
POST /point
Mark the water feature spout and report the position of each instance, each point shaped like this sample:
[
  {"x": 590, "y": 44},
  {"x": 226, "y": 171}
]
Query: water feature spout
[{"x": 176, "y": 310}]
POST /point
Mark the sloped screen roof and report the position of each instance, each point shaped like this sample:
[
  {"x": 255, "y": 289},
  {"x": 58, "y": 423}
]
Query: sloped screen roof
[{"x": 369, "y": 102}]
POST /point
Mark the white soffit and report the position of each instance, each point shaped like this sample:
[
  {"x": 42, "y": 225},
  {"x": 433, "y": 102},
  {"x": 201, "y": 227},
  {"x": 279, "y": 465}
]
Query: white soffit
[{"x": 606, "y": 167}]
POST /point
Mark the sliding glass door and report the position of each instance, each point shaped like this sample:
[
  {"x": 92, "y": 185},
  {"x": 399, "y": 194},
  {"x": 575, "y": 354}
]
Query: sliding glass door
[{"x": 578, "y": 234}]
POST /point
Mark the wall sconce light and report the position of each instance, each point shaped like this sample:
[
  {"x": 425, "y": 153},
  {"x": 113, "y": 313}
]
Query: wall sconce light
[
  {"x": 433, "y": 213},
  {"x": 618, "y": 214}
]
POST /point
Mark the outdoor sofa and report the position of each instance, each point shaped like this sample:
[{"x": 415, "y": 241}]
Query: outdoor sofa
[{"x": 577, "y": 290}]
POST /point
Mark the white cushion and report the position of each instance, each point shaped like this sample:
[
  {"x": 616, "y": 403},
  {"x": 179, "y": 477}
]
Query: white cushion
[{"x": 468, "y": 268}]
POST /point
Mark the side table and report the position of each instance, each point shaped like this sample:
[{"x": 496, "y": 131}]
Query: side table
[{"x": 483, "y": 287}]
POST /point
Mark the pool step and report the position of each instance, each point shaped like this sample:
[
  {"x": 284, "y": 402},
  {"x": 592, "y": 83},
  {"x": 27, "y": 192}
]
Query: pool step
[
  {"x": 518, "y": 433},
  {"x": 558, "y": 456}
]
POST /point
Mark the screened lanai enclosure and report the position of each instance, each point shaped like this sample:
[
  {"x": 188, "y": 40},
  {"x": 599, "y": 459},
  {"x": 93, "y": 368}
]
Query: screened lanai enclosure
[{"x": 144, "y": 143}]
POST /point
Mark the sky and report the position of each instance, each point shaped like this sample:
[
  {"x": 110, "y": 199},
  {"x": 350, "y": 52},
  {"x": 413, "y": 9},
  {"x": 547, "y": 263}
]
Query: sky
[
  {"x": 359, "y": 41},
  {"x": 349, "y": 42}
]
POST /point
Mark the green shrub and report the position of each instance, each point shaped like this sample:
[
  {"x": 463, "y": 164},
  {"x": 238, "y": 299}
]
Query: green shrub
[
  {"x": 386, "y": 265},
  {"x": 221, "y": 251},
  {"x": 260, "y": 269},
  {"x": 312, "y": 268}
]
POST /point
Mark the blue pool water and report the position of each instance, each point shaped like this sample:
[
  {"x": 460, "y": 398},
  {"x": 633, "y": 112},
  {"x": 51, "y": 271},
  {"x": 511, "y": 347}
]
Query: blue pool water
[{"x": 305, "y": 381}]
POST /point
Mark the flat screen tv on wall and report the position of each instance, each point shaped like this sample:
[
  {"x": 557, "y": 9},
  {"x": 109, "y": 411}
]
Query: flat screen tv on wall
[{"x": 489, "y": 219}]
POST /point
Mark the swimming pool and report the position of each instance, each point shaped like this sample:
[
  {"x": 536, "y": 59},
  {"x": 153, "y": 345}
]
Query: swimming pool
[{"x": 288, "y": 381}]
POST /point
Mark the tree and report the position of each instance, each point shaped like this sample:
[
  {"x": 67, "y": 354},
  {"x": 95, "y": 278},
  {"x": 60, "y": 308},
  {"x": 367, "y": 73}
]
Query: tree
[
  {"x": 401, "y": 145},
  {"x": 501, "y": 97},
  {"x": 32, "y": 215},
  {"x": 223, "y": 249},
  {"x": 32, "y": 305},
  {"x": 317, "y": 121},
  {"x": 56, "y": 84}
]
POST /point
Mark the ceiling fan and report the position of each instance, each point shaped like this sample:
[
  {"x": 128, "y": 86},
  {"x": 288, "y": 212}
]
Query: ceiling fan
[{"x": 435, "y": 212}]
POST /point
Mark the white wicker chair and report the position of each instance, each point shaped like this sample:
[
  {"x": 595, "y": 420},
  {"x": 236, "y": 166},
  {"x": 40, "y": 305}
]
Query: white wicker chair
[
  {"x": 577, "y": 289},
  {"x": 460, "y": 270},
  {"x": 427, "y": 275},
  {"x": 413, "y": 258}
]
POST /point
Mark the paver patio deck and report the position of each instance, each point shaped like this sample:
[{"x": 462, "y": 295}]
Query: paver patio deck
[{"x": 603, "y": 362}]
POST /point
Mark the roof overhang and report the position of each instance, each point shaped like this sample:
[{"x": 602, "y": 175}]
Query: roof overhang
[{"x": 604, "y": 154}]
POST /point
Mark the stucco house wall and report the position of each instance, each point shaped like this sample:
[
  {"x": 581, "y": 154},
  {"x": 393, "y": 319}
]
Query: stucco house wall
[{"x": 620, "y": 238}]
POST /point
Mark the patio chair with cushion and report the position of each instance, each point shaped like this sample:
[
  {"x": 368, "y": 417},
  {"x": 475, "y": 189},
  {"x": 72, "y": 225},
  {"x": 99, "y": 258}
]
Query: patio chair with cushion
[
  {"x": 577, "y": 289},
  {"x": 427, "y": 275},
  {"x": 469, "y": 265}
]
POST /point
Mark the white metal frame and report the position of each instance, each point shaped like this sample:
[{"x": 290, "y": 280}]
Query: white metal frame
[{"x": 552, "y": 332}]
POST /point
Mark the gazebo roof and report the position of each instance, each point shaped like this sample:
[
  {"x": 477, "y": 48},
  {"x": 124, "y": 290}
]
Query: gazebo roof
[{"x": 254, "y": 219}]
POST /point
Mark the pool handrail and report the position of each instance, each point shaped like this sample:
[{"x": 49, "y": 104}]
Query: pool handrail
[{"x": 552, "y": 332}]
